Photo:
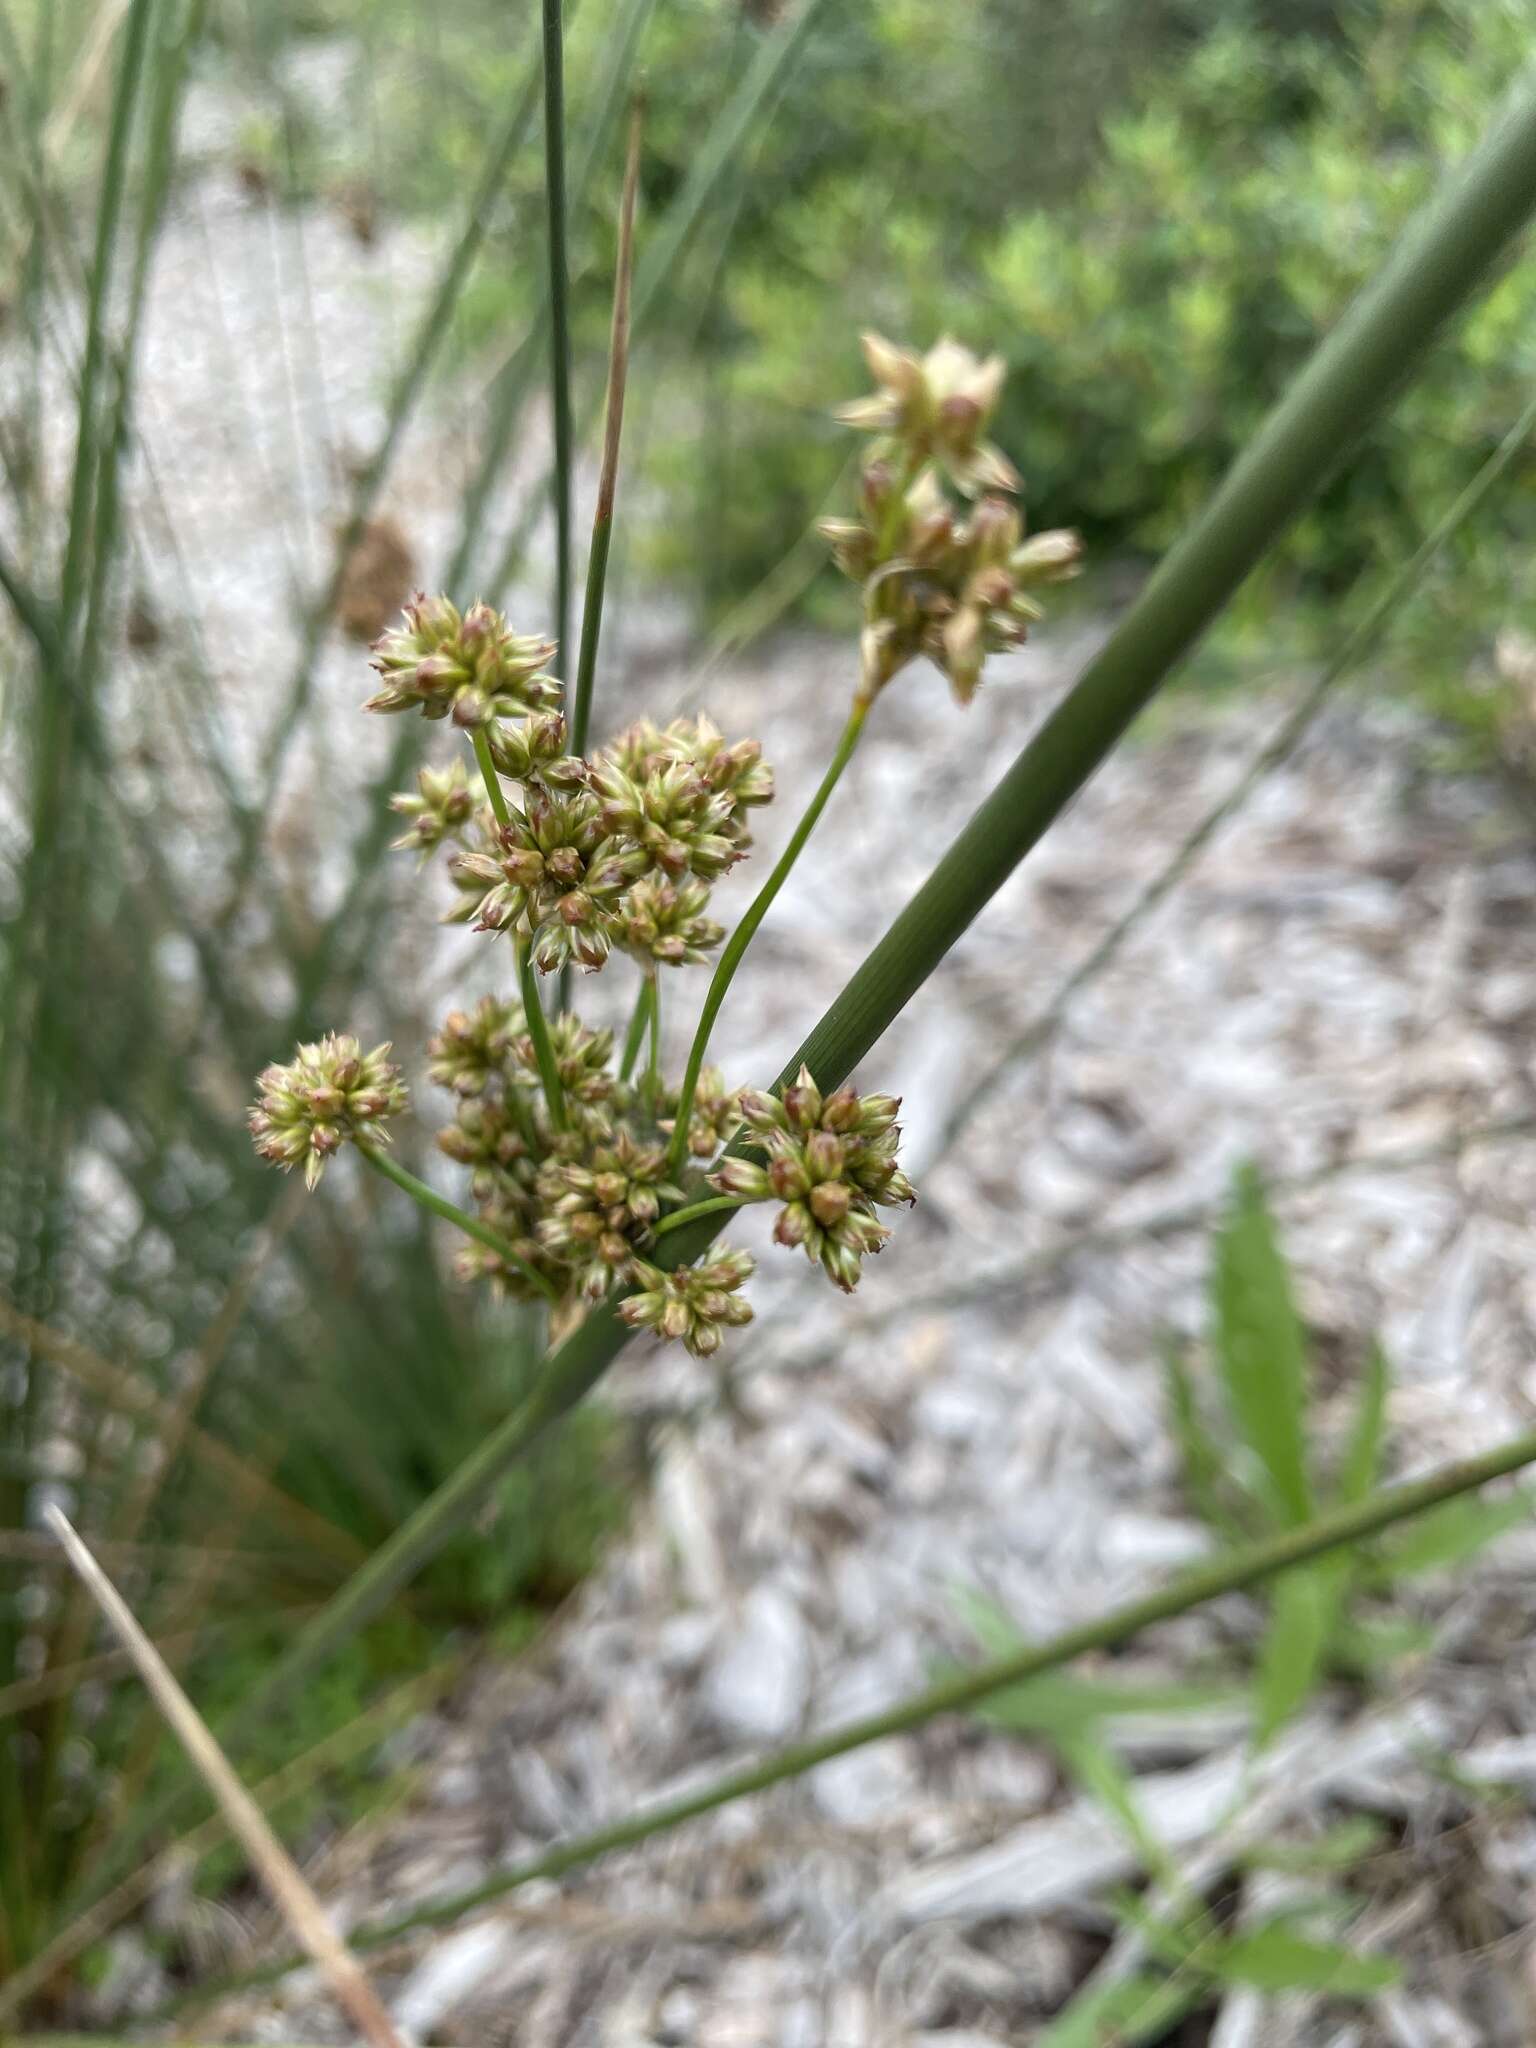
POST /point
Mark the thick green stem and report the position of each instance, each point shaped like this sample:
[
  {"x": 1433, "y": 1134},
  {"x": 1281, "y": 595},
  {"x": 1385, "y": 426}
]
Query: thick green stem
[
  {"x": 741, "y": 938},
  {"x": 559, "y": 305},
  {"x": 471, "y": 1226},
  {"x": 538, "y": 1031},
  {"x": 1233, "y": 1572}
]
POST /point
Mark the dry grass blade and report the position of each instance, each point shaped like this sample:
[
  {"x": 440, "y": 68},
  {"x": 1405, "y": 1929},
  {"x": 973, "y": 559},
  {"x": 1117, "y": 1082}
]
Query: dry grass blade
[{"x": 305, "y": 1915}]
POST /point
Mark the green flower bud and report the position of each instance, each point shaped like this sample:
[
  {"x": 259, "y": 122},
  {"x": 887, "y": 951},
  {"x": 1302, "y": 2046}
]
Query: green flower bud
[{"x": 329, "y": 1093}]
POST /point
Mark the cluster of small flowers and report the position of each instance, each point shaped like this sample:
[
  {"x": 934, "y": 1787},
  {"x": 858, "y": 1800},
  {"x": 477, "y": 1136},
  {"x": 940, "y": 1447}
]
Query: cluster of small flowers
[
  {"x": 615, "y": 851},
  {"x": 954, "y": 588},
  {"x": 329, "y": 1093},
  {"x": 831, "y": 1161}
]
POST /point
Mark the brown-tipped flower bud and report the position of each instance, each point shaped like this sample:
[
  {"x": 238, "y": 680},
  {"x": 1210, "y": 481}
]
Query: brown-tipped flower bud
[
  {"x": 693, "y": 1305},
  {"x": 441, "y": 808},
  {"x": 469, "y": 666},
  {"x": 330, "y": 1093},
  {"x": 830, "y": 1161}
]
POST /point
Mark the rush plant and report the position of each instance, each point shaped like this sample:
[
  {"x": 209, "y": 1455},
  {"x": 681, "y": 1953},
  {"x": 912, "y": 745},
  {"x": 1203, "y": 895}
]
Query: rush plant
[{"x": 580, "y": 1157}]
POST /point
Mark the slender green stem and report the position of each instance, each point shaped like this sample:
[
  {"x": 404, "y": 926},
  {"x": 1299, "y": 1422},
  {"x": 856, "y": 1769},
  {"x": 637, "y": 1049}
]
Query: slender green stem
[
  {"x": 1232, "y": 1572},
  {"x": 493, "y": 788},
  {"x": 538, "y": 1031},
  {"x": 716, "y": 1204},
  {"x": 742, "y": 937},
  {"x": 471, "y": 1226},
  {"x": 653, "y": 1062},
  {"x": 110, "y": 206},
  {"x": 635, "y": 1037},
  {"x": 613, "y": 426},
  {"x": 559, "y": 304}
]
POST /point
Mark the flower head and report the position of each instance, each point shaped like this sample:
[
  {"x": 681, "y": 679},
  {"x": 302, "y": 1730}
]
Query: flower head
[
  {"x": 600, "y": 1206},
  {"x": 668, "y": 925},
  {"x": 441, "y": 808},
  {"x": 469, "y": 665},
  {"x": 936, "y": 408},
  {"x": 329, "y": 1093},
  {"x": 830, "y": 1160},
  {"x": 471, "y": 1048},
  {"x": 693, "y": 1305},
  {"x": 716, "y": 1116}
]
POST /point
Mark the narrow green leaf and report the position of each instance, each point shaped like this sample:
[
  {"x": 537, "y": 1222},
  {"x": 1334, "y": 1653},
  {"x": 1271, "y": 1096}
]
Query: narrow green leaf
[
  {"x": 1370, "y": 1645},
  {"x": 1303, "y": 1614},
  {"x": 1276, "y": 1958},
  {"x": 1205, "y": 1468},
  {"x": 1336, "y": 1848},
  {"x": 1361, "y": 1469},
  {"x": 1122, "y": 2014},
  {"x": 1452, "y": 1534},
  {"x": 1261, "y": 1348}
]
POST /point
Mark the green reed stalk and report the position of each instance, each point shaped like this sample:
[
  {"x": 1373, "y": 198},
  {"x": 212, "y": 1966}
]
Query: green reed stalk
[
  {"x": 1233, "y": 1572},
  {"x": 613, "y": 427},
  {"x": 1436, "y": 266},
  {"x": 736, "y": 945},
  {"x": 559, "y": 304}
]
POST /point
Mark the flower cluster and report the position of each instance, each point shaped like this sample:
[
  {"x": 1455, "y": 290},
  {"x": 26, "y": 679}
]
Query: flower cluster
[
  {"x": 692, "y": 1305},
  {"x": 939, "y": 580},
  {"x": 618, "y": 851},
  {"x": 467, "y": 665},
  {"x": 576, "y": 1171},
  {"x": 330, "y": 1093},
  {"x": 830, "y": 1161}
]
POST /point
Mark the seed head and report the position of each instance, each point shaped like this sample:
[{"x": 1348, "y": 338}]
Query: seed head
[
  {"x": 936, "y": 408},
  {"x": 830, "y": 1160},
  {"x": 441, "y": 809},
  {"x": 716, "y": 1116},
  {"x": 667, "y": 925},
  {"x": 329, "y": 1093},
  {"x": 692, "y": 1305},
  {"x": 471, "y": 1049},
  {"x": 470, "y": 665}
]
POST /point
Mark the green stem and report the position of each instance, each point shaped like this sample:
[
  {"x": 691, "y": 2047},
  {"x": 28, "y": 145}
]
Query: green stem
[
  {"x": 1233, "y": 1572},
  {"x": 716, "y": 1203},
  {"x": 471, "y": 1226},
  {"x": 613, "y": 424},
  {"x": 559, "y": 302},
  {"x": 493, "y": 788},
  {"x": 635, "y": 1037},
  {"x": 538, "y": 1031},
  {"x": 652, "y": 1087},
  {"x": 741, "y": 938}
]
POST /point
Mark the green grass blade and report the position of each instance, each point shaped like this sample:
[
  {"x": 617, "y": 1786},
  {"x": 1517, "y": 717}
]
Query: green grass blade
[
  {"x": 108, "y": 220},
  {"x": 1303, "y": 1615},
  {"x": 1276, "y": 1958},
  {"x": 1361, "y": 1467},
  {"x": 1261, "y": 1350}
]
